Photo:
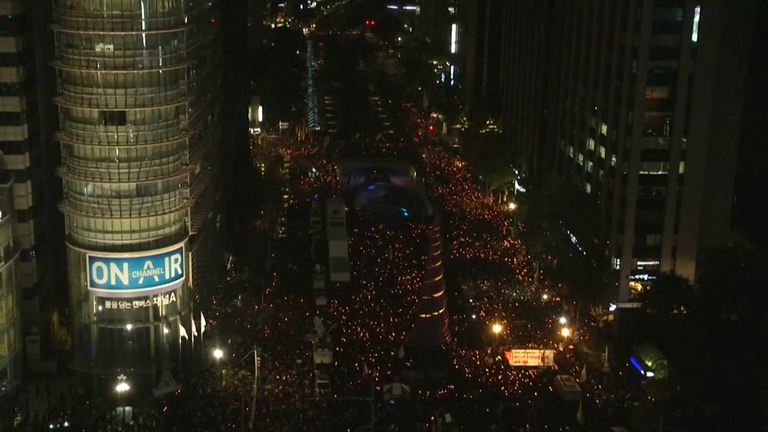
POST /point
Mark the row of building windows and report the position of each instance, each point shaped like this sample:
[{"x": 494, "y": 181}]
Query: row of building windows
[
  {"x": 13, "y": 25},
  {"x": 13, "y": 59},
  {"x": 14, "y": 147},
  {"x": 659, "y": 167},
  {"x": 580, "y": 156},
  {"x": 18, "y": 88},
  {"x": 17, "y": 118}
]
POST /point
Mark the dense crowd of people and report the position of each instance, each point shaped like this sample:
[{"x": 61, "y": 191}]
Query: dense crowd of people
[{"x": 266, "y": 308}]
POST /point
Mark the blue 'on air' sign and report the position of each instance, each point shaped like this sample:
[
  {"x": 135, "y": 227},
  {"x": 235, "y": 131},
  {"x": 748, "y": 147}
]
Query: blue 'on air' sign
[{"x": 132, "y": 273}]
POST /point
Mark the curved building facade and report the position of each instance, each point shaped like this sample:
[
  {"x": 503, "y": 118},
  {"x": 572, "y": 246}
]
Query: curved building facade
[
  {"x": 137, "y": 85},
  {"x": 10, "y": 325}
]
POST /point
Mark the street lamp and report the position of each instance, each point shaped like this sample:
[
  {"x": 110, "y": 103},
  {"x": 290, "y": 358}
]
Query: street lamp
[
  {"x": 565, "y": 332},
  {"x": 496, "y": 328},
  {"x": 121, "y": 388},
  {"x": 512, "y": 206},
  {"x": 563, "y": 320},
  {"x": 218, "y": 353}
]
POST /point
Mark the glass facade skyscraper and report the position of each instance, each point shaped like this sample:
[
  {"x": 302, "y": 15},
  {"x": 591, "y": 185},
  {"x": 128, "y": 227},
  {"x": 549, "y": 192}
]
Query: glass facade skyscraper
[{"x": 137, "y": 86}]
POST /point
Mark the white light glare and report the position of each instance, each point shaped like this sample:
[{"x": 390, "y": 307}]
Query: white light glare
[
  {"x": 562, "y": 320},
  {"x": 129, "y": 327},
  {"x": 454, "y": 37}
]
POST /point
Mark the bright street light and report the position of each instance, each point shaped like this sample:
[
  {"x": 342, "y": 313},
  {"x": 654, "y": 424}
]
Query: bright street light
[
  {"x": 122, "y": 387},
  {"x": 563, "y": 320},
  {"x": 129, "y": 327},
  {"x": 512, "y": 206},
  {"x": 496, "y": 328},
  {"x": 217, "y": 353},
  {"x": 545, "y": 296},
  {"x": 565, "y": 332}
]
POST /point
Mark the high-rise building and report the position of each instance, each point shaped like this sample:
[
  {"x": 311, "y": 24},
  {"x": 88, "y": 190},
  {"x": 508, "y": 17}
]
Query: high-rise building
[
  {"x": 27, "y": 127},
  {"x": 10, "y": 320},
  {"x": 437, "y": 22},
  {"x": 137, "y": 96},
  {"x": 639, "y": 102},
  {"x": 751, "y": 201},
  {"x": 481, "y": 30}
]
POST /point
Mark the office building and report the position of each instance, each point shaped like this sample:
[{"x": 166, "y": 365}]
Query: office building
[
  {"x": 639, "y": 102},
  {"x": 137, "y": 96},
  {"x": 437, "y": 22},
  {"x": 27, "y": 127},
  {"x": 751, "y": 201},
  {"x": 481, "y": 29},
  {"x": 10, "y": 319}
]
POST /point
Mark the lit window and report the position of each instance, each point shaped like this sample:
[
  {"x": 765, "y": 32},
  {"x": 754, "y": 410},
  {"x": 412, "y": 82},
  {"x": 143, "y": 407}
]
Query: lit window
[
  {"x": 570, "y": 151},
  {"x": 590, "y": 166},
  {"x": 590, "y": 144},
  {"x": 613, "y": 160},
  {"x": 588, "y": 187},
  {"x": 654, "y": 167},
  {"x": 602, "y": 152},
  {"x": 604, "y": 129},
  {"x": 616, "y": 263},
  {"x": 581, "y": 159},
  {"x": 653, "y": 239},
  {"x": 681, "y": 168},
  {"x": 696, "y": 17},
  {"x": 454, "y": 38}
]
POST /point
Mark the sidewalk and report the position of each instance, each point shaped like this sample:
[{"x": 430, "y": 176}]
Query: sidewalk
[{"x": 40, "y": 394}]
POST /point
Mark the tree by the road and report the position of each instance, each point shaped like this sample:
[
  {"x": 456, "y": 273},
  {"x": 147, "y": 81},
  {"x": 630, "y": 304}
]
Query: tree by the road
[
  {"x": 669, "y": 293},
  {"x": 490, "y": 157},
  {"x": 561, "y": 230}
]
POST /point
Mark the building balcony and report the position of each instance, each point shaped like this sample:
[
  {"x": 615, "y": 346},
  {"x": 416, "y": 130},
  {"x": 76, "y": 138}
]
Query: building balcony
[
  {"x": 120, "y": 99},
  {"x": 123, "y": 208},
  {"x": 122, "y": 172},
  {"x": 155, "y": 134}
]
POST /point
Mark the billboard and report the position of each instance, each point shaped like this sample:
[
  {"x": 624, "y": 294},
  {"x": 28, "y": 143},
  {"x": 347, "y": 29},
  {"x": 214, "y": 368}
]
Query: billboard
[
  {"x": 136, "y": 274},
  {"x": 530, "y": 357}
]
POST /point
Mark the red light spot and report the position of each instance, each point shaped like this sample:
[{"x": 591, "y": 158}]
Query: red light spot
[{"x": 213, "y": 20}]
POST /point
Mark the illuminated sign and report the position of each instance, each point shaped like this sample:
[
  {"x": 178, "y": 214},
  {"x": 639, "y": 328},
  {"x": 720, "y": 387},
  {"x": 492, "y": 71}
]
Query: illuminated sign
[
  {"x": 530, "y": 357},
  {"x": 129, "y": 275},
  {"x": 144, "y": 303}
]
